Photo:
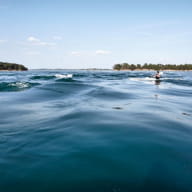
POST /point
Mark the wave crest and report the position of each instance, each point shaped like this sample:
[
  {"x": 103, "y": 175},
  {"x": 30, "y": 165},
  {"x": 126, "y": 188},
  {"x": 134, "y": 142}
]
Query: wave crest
[{"x": 16, "y": 86}]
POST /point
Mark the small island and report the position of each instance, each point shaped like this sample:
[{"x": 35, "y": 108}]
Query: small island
[
  {"x": 150, "y": 66},
  {"x": 4, "y": 66}
]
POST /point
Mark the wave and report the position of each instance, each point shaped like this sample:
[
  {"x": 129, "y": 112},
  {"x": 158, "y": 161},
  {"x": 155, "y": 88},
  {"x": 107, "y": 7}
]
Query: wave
[
  {"x": 16, "y": 86},
  {"x": 42, "y": 77},
  {"x": 178, "y": 81},
  {"x": 62, "y": 76},
  {"x": 175, "y": 81},
  {"x": 50, "y": 77},
  {"x": 108, "y": 94}
]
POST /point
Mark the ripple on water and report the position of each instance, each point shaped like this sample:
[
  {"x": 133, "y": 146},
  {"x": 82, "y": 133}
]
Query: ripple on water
[{"x": 99, "y": 131}]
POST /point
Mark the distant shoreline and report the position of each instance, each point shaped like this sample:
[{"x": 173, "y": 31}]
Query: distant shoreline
[
  {"x": 150, "y": 66},
  {"x": 112, "y": 69},
  {"x": 12, "y": 70},
  {"x": 152, "y": 70},
  {"x": 77, "y": 69},
  {"x": 94, "y": 70}
]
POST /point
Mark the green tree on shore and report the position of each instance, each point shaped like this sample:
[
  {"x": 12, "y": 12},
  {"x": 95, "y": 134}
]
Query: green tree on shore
[
  {"x": 150, "y": 66},
  {"x": 12, "y": 67}
]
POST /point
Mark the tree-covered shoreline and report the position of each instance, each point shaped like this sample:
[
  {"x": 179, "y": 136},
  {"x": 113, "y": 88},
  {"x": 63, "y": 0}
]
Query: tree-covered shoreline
[
  {"x": 4, "y": 66},
  {"x": 149, "y": 66}
]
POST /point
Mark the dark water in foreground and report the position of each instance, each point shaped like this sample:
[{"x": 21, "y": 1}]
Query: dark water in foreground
[{"x": 97, "y": 132}]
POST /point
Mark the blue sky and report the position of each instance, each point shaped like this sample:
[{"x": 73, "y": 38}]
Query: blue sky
[{"x": 95, "y": 33}]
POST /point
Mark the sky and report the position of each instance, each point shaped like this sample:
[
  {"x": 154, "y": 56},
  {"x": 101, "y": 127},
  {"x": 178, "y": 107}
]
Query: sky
[{"x": 79, "y": 34}]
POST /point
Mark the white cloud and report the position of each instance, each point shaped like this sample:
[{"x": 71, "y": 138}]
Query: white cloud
[
  {"x": 75, "y": 53},
  {"x": 38, "y": 42},
  {"x": 103, "y": 52},
  {"x": 33, "y": 39}
]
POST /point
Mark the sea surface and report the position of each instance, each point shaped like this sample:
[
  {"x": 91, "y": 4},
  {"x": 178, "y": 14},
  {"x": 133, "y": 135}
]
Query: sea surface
[{"x": 99, "y": 131}]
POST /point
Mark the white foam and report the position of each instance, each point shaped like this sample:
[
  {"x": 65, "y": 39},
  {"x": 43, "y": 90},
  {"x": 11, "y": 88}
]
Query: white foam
[
  {"x": 20, "y": 85},
  {"x": 161, "y": 73},
  {"x": 149, "y": 78},
  {"x": 142, "y": 79},
  {"x": 62, "y": 76}
]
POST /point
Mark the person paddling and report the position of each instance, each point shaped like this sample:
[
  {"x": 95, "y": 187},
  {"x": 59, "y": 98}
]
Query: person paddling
[{"x": 157, "y": 75}]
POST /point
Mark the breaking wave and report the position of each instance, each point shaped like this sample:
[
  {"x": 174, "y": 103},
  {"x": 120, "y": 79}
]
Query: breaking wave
[{"x": 16, "y": 86}]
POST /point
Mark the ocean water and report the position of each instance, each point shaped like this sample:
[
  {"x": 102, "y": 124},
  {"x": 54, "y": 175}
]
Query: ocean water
[{"x": 99, "y": 131}]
